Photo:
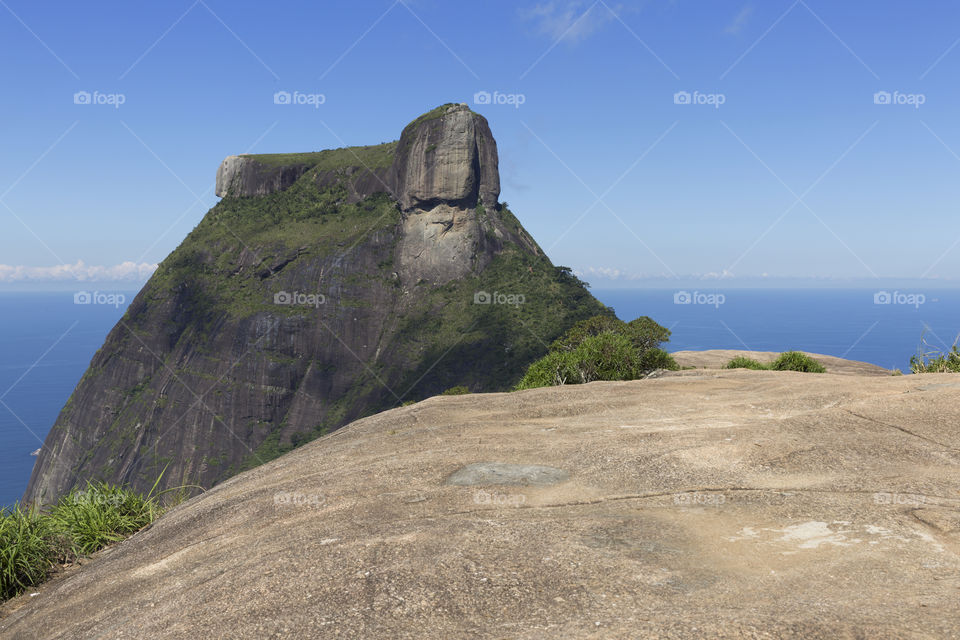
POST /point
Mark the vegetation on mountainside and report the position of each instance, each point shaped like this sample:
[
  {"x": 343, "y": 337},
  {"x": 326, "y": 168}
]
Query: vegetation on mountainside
[
  {"x": 601, "y": 348},
  {"x": 246, "y": 250},
  {"x": 787, "y": 361},
  {"x": 371, "y": 157},
  {"x": 33, "y": 543}
]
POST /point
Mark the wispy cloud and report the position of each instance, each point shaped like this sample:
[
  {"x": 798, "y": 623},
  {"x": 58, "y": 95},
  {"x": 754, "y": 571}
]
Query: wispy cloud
[
  {"x": 740, "y": 21},
  {"x": 79, "y": 272},
  {"x": 569, "y": 21}
]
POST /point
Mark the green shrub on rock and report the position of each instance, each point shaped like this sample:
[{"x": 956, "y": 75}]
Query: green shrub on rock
[
  {"x": 601, "y": 348},
  {"x": 797, "y": 361},
  {"x": 743, "y": 362}
]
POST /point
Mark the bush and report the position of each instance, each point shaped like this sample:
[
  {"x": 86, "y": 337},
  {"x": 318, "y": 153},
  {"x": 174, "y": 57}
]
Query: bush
[
  {"x": 100, "y": 515},
  {"x": 601, "y": 348},
  {"x": 32, "y": 542},
  {"x": 796, "y": 361},
  {"x": 743, "y": 362},
  {"x": 554, "y": 369},
  {"x": 657, "y": 358},
  {"x": 458, "y": 390}
]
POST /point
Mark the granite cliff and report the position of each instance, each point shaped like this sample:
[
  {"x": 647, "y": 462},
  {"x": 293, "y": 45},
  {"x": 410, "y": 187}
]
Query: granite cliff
[{"x": 322, "y": 288}]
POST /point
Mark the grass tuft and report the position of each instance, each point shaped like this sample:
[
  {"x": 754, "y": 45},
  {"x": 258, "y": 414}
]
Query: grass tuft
[{"x": 34, "y": 542}]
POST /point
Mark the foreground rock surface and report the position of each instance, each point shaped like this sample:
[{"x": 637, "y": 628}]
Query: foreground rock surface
[{"x": 701, "y": 504}]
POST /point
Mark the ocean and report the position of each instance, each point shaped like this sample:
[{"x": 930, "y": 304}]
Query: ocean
[
  {"x": 46, "y": 343},
  {"x": 47, "y": 340}
]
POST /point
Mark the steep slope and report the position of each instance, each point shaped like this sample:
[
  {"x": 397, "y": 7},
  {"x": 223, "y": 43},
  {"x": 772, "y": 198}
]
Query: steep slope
[
  {"x": 700, "y": 504},
  {"x": 323, "y": 287}
]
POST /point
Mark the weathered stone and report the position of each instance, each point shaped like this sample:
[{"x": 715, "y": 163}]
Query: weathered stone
[
  {"x": 245, "y": 176},
  {"x": 451, "y": 158},
  {"x": 727, "y": 504}
]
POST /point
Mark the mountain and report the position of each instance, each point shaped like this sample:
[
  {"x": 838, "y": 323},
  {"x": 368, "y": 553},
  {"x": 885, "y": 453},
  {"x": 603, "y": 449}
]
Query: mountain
[{"x": 322, "y": 288}]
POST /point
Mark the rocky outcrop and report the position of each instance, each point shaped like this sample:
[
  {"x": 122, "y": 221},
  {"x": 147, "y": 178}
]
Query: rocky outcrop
[
  {"x": 450, "y": 157},
  {"x": 446, "y": 156},
  {"x": 282, "y": 318},
  {"x": 247, "y": 176},
  {"x": 700, "y": 504}
]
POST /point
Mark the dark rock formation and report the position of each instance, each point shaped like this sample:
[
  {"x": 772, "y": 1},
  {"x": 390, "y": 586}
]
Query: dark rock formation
[{"x": 324, "y": 287}]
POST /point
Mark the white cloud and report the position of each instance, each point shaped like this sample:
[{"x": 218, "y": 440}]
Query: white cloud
[
  {"x": 570, "y": 21},
  {"x": 608, "y": 273},
  {"x": 740, "y": 21},
  {"x": 79, "y": 272}
]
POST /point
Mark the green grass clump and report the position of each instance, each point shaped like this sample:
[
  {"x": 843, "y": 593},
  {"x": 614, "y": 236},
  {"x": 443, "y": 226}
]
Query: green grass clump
[
  {"x": 601, "y": 348},
  {"x": 33, "y": 541},
  {"x": 100, "y": 515},
  {"x": 743, "y": 362},
  {"x": 796, "y": 361},
  {"x": 26, "y": 555}
]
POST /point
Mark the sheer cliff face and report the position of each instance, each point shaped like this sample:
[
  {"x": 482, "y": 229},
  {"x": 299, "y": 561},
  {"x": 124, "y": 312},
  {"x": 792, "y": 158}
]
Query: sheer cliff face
[{"x": 323, "y": 287}]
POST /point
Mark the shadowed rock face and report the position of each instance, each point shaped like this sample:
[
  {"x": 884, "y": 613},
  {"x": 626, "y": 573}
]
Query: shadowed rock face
[{"x": 225, "y": 360}]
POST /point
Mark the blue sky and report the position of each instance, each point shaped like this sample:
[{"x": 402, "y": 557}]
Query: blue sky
[{"x": 798, "y": 175}]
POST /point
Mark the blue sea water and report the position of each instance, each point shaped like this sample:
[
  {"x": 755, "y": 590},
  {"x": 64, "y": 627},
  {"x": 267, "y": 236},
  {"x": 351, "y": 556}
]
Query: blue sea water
[
  {"x": 877, "y": 326},
  {"x": 47, "y": 341}
]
